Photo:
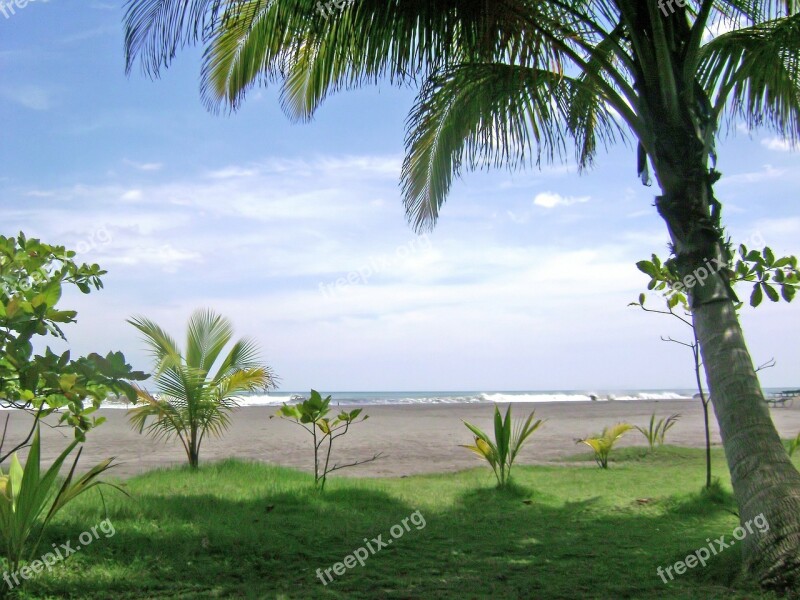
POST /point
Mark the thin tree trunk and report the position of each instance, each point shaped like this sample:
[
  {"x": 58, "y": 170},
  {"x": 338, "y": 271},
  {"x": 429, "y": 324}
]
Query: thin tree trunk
[
  {"x": 704, "y": 401},
  {"x": 764, "y": 480},
  {"x": 708, "y": 444}
]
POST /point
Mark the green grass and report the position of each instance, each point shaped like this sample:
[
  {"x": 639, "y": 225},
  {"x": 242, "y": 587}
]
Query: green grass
[{"x": 243, "y": 530}]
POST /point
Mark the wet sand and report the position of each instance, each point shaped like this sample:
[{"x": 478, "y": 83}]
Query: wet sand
[{"x": 414, "y": 438}]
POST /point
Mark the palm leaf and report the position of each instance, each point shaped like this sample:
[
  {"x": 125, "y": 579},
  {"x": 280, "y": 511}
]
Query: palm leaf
[
  {"x": 482, "y": 436},
  {"x": 207, "y": 335},
  {"x": 163, "y": 347},
  {"x": 755, "y": 73},
  {"x": 479, "y": 115},
  {"x": 522, "y": 431},
  {"x": 156, "y": 29}
]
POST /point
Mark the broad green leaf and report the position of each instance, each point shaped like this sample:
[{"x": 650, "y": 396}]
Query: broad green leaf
[
  {"x": 756, "y": 296},
  {"x": 771, "y": 292}
]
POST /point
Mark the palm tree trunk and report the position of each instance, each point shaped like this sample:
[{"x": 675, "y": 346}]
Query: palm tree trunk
[
  {"x": 764, "y": 480},
  {"x": 194, "y": 450},
  {"x": 765, "y": 483}
]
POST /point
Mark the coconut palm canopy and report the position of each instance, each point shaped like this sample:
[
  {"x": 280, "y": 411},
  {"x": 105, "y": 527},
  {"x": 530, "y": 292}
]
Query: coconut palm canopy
[{"x": 502, "y": 83}]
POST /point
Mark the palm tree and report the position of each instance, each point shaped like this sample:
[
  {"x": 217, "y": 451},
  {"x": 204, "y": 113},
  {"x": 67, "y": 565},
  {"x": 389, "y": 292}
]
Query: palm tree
[
  {"x": 192, "y": 397},
  {"x": 514, "y": 82}
]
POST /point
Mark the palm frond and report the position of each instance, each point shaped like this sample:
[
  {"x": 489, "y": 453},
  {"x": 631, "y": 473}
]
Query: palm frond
[
  {"x": 244, "y": 354},
  {"x": 241, "y": 380},
  {"x": 157, "y": 29},
  {"x": 754, "y": 73},
  {"x": 315, "y": 54},
  {"x": 754, "y": 11},
  {"x": 479, "y": 115},
  {"x": 206, "y": 336},
  {"x": 165, "y": 416},
  {"x": 163, "y": 347}
]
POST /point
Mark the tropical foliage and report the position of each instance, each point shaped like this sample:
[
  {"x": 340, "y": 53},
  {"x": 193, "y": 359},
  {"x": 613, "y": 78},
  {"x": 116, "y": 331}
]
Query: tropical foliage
[
  {"x": 509, "y": 439},
  {"x": 771, "y": 277},
  {"x": 312, "y": 415},
  {"x": 604, "y": 443},
  {"x": 196, "y": 390},
  {"x": 656, "y": 431},
  {"x": 32, "y": 278},
  {"x": 29, "y": 499}
]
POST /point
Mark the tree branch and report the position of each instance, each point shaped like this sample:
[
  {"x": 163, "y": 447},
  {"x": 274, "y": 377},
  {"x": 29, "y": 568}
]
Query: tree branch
[{"x": 337, "y": 466}]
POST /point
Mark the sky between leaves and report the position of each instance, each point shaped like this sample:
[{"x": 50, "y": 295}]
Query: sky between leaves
[{"x": 523, "y": 285}]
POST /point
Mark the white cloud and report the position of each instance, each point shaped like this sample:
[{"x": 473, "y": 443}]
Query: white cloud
[
  {"x": 89, "y": 34},
  {"x": 271, "y": 238},
  {"x": 232, "y": 173},
  {"x": 778, "y": 144},
  {"x": 131, "y": 196},
  {"x": 768, "y": 172},
  {"x": 552, "y": 199},
  {"x": 152, "y": 166},
  {"x": 165, "y": 256},
  {"x": 29, "y": 96}
]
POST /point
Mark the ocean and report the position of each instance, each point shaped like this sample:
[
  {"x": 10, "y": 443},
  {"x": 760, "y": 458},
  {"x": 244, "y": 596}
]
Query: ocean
[{"x": 450, "y": 397}]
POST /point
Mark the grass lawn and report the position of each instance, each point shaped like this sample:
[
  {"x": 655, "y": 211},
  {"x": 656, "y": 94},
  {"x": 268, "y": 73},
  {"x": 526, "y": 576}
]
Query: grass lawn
[{"x": 243, "y": 530}]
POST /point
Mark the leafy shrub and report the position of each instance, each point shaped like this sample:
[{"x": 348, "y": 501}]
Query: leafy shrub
[
  {"x": 312, "y": 415},
  {"x": 33, "y": 276}
]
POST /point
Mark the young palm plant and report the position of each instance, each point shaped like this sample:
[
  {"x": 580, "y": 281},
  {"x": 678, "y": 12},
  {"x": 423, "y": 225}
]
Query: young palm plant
[
  {"x": 604, "y": 443},
  {"x": 508, "y": 441},
  {"x": 657, "y": 430},
  {"x": 508, "y": 83},
  {"x": 195, "y": 391}
]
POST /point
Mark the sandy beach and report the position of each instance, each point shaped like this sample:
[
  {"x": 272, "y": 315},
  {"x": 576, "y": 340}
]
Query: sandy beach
[{"x": 414, "y": 438}]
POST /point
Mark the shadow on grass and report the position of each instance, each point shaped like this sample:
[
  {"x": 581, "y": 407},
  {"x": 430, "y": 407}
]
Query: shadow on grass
[
  {"x": 487, "y": 543},
  {"x": 706, "y": 501}
]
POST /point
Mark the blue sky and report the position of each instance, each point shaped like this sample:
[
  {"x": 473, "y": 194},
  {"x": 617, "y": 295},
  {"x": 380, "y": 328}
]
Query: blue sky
[{"x": 523, "y": 284}]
